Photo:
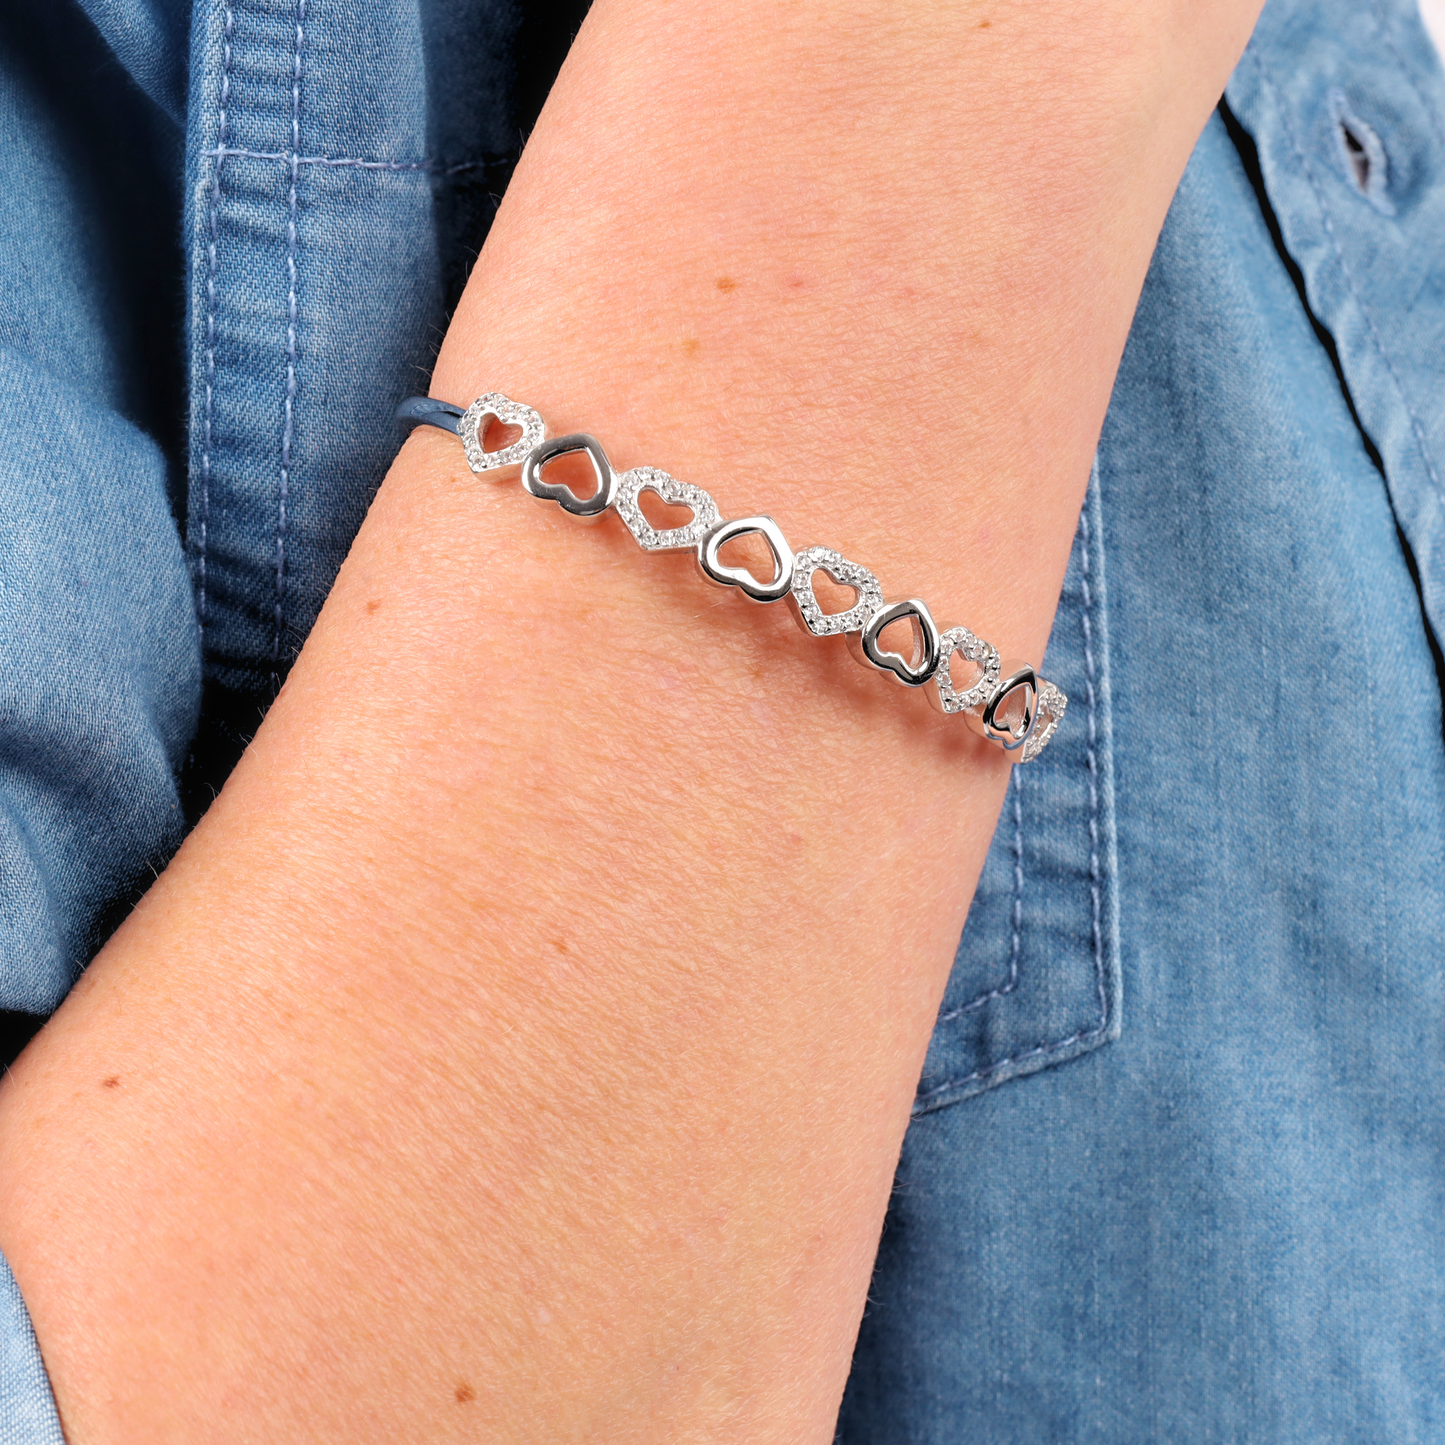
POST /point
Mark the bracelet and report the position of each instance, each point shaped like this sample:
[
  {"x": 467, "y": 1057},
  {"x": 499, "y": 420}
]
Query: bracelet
[{"x": 1008, "y": 703}]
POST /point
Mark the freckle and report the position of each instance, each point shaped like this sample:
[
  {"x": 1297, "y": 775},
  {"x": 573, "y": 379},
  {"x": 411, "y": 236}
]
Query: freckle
[
  {"x": 373, "y": 604},
  {"x": 726, "y": 283},
  {"x": 689, "y": 345},
  {"x": 465, "y": 1394},
  {"x": 984, "y": 24},
  {"x": 797, "y": 282},
  {"x": 559, "y": 945},
  {"x": 110, "y": 1083}
]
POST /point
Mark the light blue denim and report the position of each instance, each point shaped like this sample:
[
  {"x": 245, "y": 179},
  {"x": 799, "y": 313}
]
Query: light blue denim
[{"x": 1178, "y": 1165}]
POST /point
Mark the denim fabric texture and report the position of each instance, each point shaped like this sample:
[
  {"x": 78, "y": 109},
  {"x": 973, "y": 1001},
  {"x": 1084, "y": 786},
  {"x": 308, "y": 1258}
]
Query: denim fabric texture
[
  {"x": 1227, "y": 1225},
  {"x": 1230, "y": 1226},
  {"x": 1177, "y": 1168},
  {"x": 27, "y": 1413},
  {"x": 344, "y": 163},
  {"x": 101, "y": 682}
]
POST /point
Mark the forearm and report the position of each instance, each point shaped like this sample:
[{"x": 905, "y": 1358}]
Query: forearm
[{"x": 521, "y": 1046}]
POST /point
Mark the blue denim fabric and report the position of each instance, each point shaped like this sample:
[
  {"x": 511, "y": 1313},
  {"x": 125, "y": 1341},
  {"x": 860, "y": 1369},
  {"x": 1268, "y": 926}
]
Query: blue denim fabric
[
  {"x": 1215, "y": 903},
  {"x": 1229, "y": 1225},
  {"x": 344, "y": 163},
  {"x": 27, "y": 1413},
  {"x": 101, "y": 681}
]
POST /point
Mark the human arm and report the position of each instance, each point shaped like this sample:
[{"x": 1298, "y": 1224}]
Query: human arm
[{"x": 582, "y": 930}]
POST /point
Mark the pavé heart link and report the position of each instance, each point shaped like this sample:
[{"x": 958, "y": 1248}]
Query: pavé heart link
[
  {"x": 472, "y": 429},
  {"x": 1008, "y": 703},
  {"x": 946, "y": 697},
  {"x": 804, "y": 600},
  {"x": 1052, "y": 703},
  {"x": 630, "y": 487}
]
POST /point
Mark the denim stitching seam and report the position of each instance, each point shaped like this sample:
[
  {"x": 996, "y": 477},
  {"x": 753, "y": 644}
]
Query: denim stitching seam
[
  {"x": 1092, "y": 755},
  {"x": 288, "y": 426},
  {"x": 1091, "y": 761},
  {"x": 1003, "y": 990},
  {"x": 1415, "y": 424},
  {"x": 228, "y": 30},
  {"x": 359, "y": 163}
]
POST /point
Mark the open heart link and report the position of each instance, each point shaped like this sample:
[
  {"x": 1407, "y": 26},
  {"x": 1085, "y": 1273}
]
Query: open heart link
[
  {"x": 846, "y": 574},
  {"x": 630, "y": 487},
  {"x": 472, "y": 428},
  {"x": 1051, "y": 704},
  {"x": 715, "y": 572},
  {"x": 911, "y": 672},
  {"x": 586, "y": 509},
  {"x": 973, "y": 649},
  {"x": 990, "y": 720}
]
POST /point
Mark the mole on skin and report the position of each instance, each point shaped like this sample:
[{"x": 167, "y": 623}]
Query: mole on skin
[
  {"x": 110, "y": 1083},
  {"x": 726, "y": 283},
  {"x": 465, "y": 1393},
  {"x": 373, "y": 604}
]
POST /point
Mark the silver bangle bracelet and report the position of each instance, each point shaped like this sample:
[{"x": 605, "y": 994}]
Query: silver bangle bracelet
[{"x": 1007, "y": 702}]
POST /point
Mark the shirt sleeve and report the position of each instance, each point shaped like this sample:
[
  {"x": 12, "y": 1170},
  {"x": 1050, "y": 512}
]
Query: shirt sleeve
[{"x": 27, "y": 1407}]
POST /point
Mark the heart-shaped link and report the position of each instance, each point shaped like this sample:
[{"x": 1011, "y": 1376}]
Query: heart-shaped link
[
  {"x": 990, "y": 720},
  {"x": 586, "y": 509},
  {"x": 714, "y": 571},
  {"x": 911, "y": 672},
  {"x": 631, "y": 485},
  {"x": 804, "y": 600},
  {"x": 946, "y": 697},
  {"x": 472, "y": 428},
  {"x": 1051, "y": 705}
]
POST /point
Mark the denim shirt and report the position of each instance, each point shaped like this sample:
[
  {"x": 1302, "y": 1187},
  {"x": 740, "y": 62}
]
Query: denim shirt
[{"x": 1178, "y": 1161}]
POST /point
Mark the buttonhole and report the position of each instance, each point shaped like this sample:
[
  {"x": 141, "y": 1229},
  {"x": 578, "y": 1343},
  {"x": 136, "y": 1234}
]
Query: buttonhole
[
  {"x": 1357, "y": 157},
  {"x": 1362, "y": 154}
]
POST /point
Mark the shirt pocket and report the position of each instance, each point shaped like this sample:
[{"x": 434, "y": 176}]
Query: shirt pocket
[{"x": 1036, "y": 980}]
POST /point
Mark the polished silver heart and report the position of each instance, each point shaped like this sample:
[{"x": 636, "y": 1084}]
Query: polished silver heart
[
  {"x": 911, "y": 672},
  {"x": 804, "y": 600},
  {"x": 714, "y": 571},
  {"x": 946, "y": 697},
  {"x": 989, "y": 720},
  {"x": 587, "y": 509},
  {"x": 630, "y": 487},
  {"x": 473, "y": 427}
]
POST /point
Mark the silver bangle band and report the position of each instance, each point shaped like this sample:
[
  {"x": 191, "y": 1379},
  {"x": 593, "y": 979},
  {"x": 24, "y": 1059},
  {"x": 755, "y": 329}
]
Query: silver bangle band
[{"x": 1007, "y": 702}]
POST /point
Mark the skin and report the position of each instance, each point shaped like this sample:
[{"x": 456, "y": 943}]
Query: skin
[{"x": 521, "y": 1047}]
